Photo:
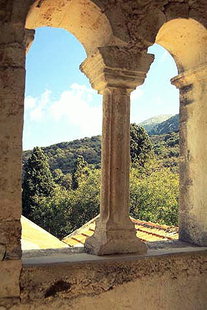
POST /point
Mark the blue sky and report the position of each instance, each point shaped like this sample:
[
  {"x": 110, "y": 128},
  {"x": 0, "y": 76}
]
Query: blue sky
[{"x": 60, "y": 104}]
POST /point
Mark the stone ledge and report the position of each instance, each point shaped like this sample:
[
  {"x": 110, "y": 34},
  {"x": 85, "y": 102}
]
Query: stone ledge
[
  {"x": 59, "y": 256},
  {"x": 67, "y": 276},
  {"x": 71, "y": 253}
]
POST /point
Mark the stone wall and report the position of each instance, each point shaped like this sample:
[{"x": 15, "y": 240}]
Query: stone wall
[{"x": 157, "y": 281}]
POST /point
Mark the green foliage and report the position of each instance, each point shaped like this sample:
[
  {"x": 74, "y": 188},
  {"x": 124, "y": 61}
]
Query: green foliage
[
  {"x": 66, "y": 211},
  {"x": 61, "y": 179},
  {"x": 63, "y": 155},
  {"x": 166, "y": 147},
  {"x": 80, "y": 169},
  {"x": 85, "y": 200},
  {"x": 38, "y": 181},
  {"x": 154, "y": 194},
  {"x": 51, "y": 213},
  {"x": 140, "y": 145}
]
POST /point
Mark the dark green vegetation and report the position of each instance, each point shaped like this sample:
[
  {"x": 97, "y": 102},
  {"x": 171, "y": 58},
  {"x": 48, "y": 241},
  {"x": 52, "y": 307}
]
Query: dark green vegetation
[
  {"x": 38, "y": 181},
  {"x": 65, "y": 198},
  {"x": 141, "y": 149},
  {"x": 63, "y": 155},
  {"x": 166, "y": 149}
]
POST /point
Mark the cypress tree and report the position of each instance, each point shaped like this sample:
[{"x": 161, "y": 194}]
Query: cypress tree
[
  {"x": 141, "y": 149},
  {"x": 79, "y": 169},
  {"x": 38, "y": 181}
]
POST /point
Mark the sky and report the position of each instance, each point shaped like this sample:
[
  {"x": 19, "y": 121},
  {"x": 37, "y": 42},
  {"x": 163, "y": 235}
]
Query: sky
[{"x": 60, "y": 104}]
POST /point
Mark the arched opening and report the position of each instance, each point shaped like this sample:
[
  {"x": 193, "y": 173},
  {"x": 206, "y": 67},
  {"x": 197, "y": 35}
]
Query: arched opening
[
  {"x": 63, "y": 117},
  {"x": 83, "y": 19},
  {"x": 154, "y": 177},
  {"x": 186, "y": 40},
  {"x": 90, "y": 26}
]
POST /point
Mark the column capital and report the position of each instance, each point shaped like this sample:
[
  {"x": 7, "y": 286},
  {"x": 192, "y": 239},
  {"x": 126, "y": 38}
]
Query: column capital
[
  {"x": 116, "y": 67},
  {"x": 189, "y": 77},
  {"x": 28, "y": 38}
]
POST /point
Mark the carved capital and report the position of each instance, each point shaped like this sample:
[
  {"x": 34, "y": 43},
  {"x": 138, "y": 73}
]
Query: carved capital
[
  {"x": 28, "y": 38},
  {"x": 190, "y": 77},
  {"x": 116, "y": 67}
]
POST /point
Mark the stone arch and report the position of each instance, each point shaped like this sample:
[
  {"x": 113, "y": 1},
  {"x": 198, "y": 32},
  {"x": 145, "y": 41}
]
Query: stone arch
[
  {"x": 186, "y": 40},
  {"x": 82, "y": 18}
]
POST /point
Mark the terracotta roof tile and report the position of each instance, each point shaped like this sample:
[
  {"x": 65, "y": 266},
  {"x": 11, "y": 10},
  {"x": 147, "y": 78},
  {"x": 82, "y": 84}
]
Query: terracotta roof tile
[{"x": 146, "y": 231}]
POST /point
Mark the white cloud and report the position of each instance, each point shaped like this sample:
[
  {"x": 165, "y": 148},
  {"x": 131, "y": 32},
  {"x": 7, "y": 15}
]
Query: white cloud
[
  {"x": 29, "y": 103},
  {"x": 77, "y": 106},
  {"x": 37, "y": 107}
]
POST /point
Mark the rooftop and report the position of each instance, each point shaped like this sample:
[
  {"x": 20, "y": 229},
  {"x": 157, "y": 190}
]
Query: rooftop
[
  {"x": 146, "y": 231},
  {"x": 35, "y": 237}
]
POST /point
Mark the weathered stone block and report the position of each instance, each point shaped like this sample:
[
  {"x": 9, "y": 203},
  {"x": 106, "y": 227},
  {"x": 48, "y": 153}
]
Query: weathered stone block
[
  {"x": 10, "y": 274},
  {"x": 10, "y": 235},
  {"x": 11, "y": 33},
  {"x": 10, "y": 207},
  {"x": 173, "y": 10},
  {"x": 11, "y": 115},
  {"x": 7, "y": 302},
  {"x": 12, "y": 55},
  {"x": 12, "y": 81}
]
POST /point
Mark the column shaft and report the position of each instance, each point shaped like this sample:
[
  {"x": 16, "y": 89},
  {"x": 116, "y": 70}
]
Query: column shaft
[
  {"x": 115, "y": 157},
  {"x": 115, "y": 233}
]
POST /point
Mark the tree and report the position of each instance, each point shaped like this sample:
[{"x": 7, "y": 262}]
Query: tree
[
  {"x": 66, "y": 210},
  {"x": 154, "y": 195},
  {"x": 141, "y": 149},
  {"x": 85, "y": 200},
  {"x": 81, "y": 167},
  {"x": 38, "y": 181},
  {"x": 64, "y": 180},
  {"x": 52, "y": 213}
]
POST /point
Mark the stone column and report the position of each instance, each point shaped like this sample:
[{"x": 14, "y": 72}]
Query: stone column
[
  {"x": 12, "y": 77},
  {"x": 115, "y": 73},
  {"x": 193, "y": 155}
]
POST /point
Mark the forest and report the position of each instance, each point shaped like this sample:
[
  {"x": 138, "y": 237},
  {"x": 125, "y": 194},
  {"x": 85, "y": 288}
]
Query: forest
[{"x": 61, "y": 183}]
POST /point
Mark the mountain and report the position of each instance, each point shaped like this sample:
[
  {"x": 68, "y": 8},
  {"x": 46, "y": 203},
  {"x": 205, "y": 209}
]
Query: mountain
[
  {"x": 169, "y": 125},
  {"x": 153, "y": 121}
]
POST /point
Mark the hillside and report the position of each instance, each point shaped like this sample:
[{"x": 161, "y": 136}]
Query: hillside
[
  {"x": 166, "y": 148},
  {"x": 63, "y": 155},
  {"x": 150, "y": 123},
  {"x": 169, "y": 125}
]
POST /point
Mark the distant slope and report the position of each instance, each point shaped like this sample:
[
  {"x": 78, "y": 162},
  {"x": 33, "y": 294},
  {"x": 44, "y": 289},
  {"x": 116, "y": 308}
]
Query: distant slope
[
  {"x": 170, "y": 125},
  {"x": 63, "y": 155},
  {"x": 153, "y": 121}
]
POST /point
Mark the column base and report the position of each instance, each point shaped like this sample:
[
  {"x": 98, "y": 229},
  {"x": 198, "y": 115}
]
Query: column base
[{"x": 115, "y": 242}]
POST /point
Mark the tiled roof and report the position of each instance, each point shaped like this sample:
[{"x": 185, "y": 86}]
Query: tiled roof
[
  {"x": 146, "y": 231},
  {"x": 35, "y": 237}
]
